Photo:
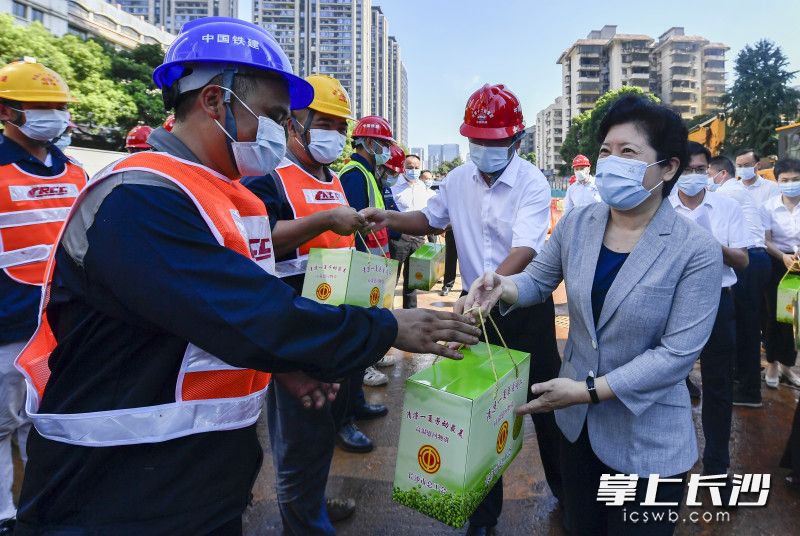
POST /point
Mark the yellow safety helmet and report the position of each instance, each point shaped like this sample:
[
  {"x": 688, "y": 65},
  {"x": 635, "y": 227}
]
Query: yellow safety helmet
[
  {"x": 329, "y": 96},
  {"x": 29, "y": 81}
]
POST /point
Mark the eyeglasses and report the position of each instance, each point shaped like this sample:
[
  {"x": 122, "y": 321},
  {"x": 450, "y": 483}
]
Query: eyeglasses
[{"x": 698, "y": 169}]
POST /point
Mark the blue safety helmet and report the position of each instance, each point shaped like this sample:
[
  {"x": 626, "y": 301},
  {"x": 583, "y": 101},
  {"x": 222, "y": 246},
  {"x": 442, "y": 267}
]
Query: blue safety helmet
[{"x": 210, "y": 42}]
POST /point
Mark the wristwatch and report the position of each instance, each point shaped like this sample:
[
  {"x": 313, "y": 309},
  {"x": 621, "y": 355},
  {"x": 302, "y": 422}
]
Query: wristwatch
[{"x": 592, "y": 390}]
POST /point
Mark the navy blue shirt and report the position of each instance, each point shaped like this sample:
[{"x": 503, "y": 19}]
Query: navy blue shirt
[
  {"x": 608, "y": 266},
  {"x": 19, "y": 303},
  {"x": 278, "y": 207},
  {"x": 153, "y": 277}
]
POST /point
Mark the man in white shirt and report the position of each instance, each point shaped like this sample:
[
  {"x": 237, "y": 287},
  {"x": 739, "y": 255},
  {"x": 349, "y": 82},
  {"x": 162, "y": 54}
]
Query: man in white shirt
[
  {"x": 781, "y": 218},
  {"x": 747, "y": 166},
  {"x": 723, "y": 218},
  {"x": 409, "y": 193},
  {"x": 748, "y": 292},
  {"x": 499, "y": 208},
  {"x": 583, "y": 191}
]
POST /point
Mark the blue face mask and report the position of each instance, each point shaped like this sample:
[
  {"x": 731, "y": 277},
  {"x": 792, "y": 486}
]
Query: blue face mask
[
  {"x": 490, "y": 159},
  {"x": 380, "y": 157},
  {"x": 692, "y": 183},
  {"x": 619, "y": 181},
  {"x": 712, "y": 186},
  {"x": 790, "y": 189}
]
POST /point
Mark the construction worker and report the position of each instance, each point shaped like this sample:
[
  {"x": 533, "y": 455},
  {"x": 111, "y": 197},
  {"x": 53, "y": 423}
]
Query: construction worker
[
  {"x": 163, "y": 318},
  {"x": 33, "y": 205},
  {"x": 499, "y": 207},
  {"x": 136, "y": 140},
  {"x": 403, "y": 246},
  {"x": 308, "y": 202},
  {"x": 372, "y": 139},
  {"x": 582, "y": 191}
]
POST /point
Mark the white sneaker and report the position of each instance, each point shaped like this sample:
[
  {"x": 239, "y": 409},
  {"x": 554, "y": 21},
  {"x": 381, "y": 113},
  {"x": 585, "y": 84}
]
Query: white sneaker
[
  {"x": 374, "y": 378},
  {"x": 790, "y": 376},
  {"x": 772, "y": 377},
  {"x": 386, "y": 361}
]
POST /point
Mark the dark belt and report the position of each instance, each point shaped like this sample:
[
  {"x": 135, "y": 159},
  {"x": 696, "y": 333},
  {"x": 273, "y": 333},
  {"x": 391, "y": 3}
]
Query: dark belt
[{"x": 756, "y": 249}]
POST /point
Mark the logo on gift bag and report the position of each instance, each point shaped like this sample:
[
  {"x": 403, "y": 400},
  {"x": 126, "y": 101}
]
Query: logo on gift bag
[
  {"x": 418, "y": 275},
  {"x": 502, "y": 437},
  {"x": 429, "y": 459},
  {"x": 374, "y": 296},
  {"x": 323, "y": 291}
]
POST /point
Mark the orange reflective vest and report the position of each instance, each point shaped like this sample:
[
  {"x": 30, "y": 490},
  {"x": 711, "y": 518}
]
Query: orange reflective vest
[
  {"x": 32, "y": 211},
  {"x": 308, "y": 195},
  {"x": 210, "y": 395}
]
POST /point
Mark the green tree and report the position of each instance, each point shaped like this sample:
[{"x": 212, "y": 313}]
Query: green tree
[
  {"x": 446, "y": 167},
  {"x": 760, "y": 99},
  {"x": 530, "y": 157},
  {"x": 582, "y": 135},
  {"x": 339, "y": 163}
]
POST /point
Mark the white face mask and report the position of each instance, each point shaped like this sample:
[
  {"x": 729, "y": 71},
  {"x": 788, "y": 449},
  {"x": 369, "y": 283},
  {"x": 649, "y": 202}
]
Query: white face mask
[
  {"x": 63, "y": 141},
  {"x": 259, "y": 157},
  {"x": 490, "y": 159},
  {"x": 44, "y": 125},
  {"x": 428, "y": 183},
  {"x": 711, "y": 185},
  {"x": 746, "y": 173},
  {"x": 692, "y": 183},
  {"x": 619, "y": 181},
  {"x": 413, "y": 174},
  {"x": 583, "y": 175},
  {"x": 326, "y": 145}
]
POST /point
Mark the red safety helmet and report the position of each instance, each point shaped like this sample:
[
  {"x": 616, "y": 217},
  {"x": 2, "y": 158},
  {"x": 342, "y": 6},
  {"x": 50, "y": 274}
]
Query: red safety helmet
[
  {"x": 137, "y": 137},
  {"x": 397, "y": 160},
  {"x": 373, "y": 126},
  {"x": 581, "y": 161},
  {"x": 169, "y": 122},
  {"x": 492, "y": 113}
]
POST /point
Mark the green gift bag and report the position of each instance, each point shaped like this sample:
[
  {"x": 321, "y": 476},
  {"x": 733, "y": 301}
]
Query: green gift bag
[
  {"x": 459, "y": 432},
  {"x": 787, "y": 291},
  {"x": 347, "y": 276},
  {"x": 426, "y": 266}
]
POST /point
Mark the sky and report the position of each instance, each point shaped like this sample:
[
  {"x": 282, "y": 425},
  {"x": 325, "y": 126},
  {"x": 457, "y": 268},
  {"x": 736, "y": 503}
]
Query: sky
[{"x": 452, "y": 47}]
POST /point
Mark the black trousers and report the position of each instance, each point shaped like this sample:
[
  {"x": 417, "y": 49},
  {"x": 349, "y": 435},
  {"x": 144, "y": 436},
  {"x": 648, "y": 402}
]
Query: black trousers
[
  {"x": 780, "y": 339},
  {"x": 716, "y": 369},
  {"x": 450, "y": 259},
  {"x": 533, "y": 330},
  {"x": 748, "y": 295},
  {"x": 581, "y": 470},
  {"x": 401, "y": 250}
]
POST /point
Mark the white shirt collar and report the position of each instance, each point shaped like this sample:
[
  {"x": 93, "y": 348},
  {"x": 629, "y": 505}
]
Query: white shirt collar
[{"x": 509, "y": 175}]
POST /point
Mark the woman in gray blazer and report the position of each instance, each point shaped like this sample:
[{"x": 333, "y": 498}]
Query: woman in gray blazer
[{"x": 643, "y": 290}]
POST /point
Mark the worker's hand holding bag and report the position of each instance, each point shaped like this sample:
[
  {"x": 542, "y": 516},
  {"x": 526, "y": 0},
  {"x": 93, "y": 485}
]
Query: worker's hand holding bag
[{"x": 421, "y": 330}]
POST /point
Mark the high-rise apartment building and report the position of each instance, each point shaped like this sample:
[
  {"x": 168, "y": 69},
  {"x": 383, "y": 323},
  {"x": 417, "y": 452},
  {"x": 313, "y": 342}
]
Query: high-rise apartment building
[
  {"x": 173, "y": 14},
  {"x": 687, "y": 72},
  {"x": 549, "y": 136},
  {"x": 528, "y": 143},
  {"x": 379, "y": 83},
  {"x": 347, "y": 39},
  {"x": 87, "y": 18}
]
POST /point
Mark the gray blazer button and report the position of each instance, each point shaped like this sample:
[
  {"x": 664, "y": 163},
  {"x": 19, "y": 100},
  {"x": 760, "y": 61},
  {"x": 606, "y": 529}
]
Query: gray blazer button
[{"x": 594, "y": 344}]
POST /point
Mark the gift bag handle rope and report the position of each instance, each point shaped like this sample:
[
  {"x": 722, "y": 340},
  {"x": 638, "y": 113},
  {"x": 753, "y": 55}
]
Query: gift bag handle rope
[
  {"x": 489, "y": 347},
  {"x": 369, "y": 252}
]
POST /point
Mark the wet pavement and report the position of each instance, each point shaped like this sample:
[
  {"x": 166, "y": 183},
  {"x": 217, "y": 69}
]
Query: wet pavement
[{"x": 758, "y": 439}]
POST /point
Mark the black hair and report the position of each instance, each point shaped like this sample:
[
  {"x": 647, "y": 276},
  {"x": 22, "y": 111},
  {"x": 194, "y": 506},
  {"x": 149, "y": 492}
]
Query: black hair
[
  {"x": 743, "y": 152},
  {"x": 415, "y": 156},
  {"x": 664, "y": 129},
  {"x": 786, "y": 165},
  {"x": 244, "y": 84},
  {"x": 693, "y": 148},
  {"x": 425, "y": 171},
  {"x": 723, "y": 163}
]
